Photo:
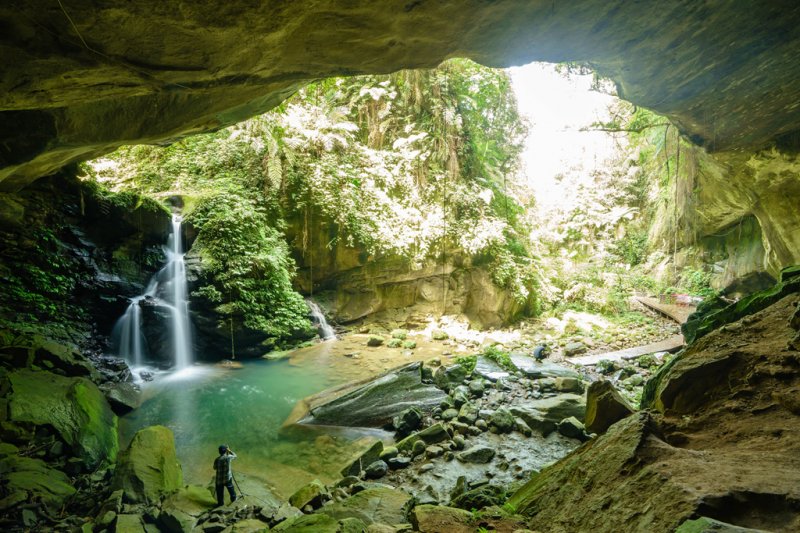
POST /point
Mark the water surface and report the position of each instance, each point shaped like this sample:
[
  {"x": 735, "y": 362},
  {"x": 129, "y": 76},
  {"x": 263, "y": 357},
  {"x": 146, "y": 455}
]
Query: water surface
[{"x": 207, "y": 405}]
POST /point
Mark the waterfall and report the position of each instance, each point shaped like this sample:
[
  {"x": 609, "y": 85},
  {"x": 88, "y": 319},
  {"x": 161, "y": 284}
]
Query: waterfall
[
  {"x": 176, "y": 268},
  {"x": 129, "y": 332},
  {"x": 325, "y": 330},
  {"x": 168, "y": 288}
]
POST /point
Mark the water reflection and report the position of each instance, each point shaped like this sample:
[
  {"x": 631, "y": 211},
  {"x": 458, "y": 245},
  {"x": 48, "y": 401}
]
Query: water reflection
[{"x": 206, "y": 406}]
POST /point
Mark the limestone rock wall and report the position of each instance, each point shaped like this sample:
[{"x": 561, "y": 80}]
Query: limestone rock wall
[
  {"x": 740, "y": 216},
  {"x": 355, "y": 285}
]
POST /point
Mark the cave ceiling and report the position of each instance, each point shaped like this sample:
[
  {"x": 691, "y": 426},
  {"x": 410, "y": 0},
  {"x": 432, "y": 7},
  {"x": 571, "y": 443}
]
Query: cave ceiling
[{"x": 80, "y": 78}]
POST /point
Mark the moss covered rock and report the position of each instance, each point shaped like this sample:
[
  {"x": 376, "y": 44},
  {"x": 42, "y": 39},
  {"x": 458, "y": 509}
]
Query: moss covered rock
[
  {"x": 149, "y": 467},
  {"x": 27, "y": 479},
  {"x": 75, "y": 407},
  {"x": 375, "y": 505}
]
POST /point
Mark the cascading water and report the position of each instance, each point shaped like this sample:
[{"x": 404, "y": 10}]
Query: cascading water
[
  {"x": 168, "y": 288},
  {"x": 180, "y": 334},
  {"x": 325, "y": 330}
]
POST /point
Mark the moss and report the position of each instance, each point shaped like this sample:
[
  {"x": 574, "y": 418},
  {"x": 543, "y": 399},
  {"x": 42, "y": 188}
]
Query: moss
[
  {"x": 75, "y": 407},
  {"x": 399, "y": 334},
  {"x": 707, "y": 319},
  {"x": 34, "y": 477},
  {"x": 409, "y": 345}
]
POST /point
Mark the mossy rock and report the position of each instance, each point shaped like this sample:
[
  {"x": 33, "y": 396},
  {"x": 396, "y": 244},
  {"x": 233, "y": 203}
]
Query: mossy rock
[
  {"x": 439, "y": 335},
  {"x": 709, "y": 316},
  {"x": 23, "y": 475},
  {"x": 75, "y": 407},
  {"x": 383, "y": 505},
  {"x": 375, "y": 340},
  {"x": 149, "y": 467},
  {"x": 409, "y": 345},
  {"x": 312, "y": 523},
  {"x": 399, "y": 334},
  {"x": 394, "y": 343}
]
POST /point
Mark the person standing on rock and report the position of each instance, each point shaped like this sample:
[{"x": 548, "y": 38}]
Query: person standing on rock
[{"x": 224, "y": 477}]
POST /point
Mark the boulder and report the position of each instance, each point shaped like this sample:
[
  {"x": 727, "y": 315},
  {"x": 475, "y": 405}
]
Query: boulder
[
  {"x": 476, "y": 454},
  {"x": 541, "y": 369},
  {"x": 376, "y": 470},
  {"x": 373, "y": 505},
  {"x": 604, "y": 406},
  {"x": 123, "y": 397},
  {"x": 468, "y": 413},
  {"x": 129, "y": 523},
  {"x": 397, "y": 463},
  {"x": 192, "y": 500},
  {"x": 543, "y": 415},
  {"x": 388, "y": 453},
  {"x": 477, "y": 387},
  {"x": 376, "y": 402},
  {"x": 709, "y": 525},
  {"x": 75, "y": 407},
  {"x": 562, "y": 384},
  {"x": 312, "y": 523},
  {"x": 574, "y": 348},
  {"x": 502, "y": 421},
  {"x": 480, "y": 497},
  {"x": 374, "y": 340},
  {"x": 449, "y": 377},
  {"x": 407, "y": 421},
  {"x": 27, "y": 479},
  {"x": 573, "y": 428},
  {"x": 362, "y": 461},
  {"x": 436, "y": 519},
  {"x": 248, "y": 525},
  {"x": 311, "y": 494},
  {"x": 449, "y": 414},
  {"x": 430, "y": 435},
  {"x": 149, "y": 467},
  {"x": 488, "y": 369}
]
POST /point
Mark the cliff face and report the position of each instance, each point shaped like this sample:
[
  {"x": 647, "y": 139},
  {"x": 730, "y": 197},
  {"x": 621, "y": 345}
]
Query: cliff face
[
  {"x": 355, "y": 285},
  {"x": 72, "y": 257},
  {"x": 81, "y": 79},
  {"x": 736, "y": 211}
]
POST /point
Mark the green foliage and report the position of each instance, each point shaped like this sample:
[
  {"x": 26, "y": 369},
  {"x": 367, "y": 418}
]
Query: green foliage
[
  {"x": 632, "y": 248},
  {"x": 468, "y": 362},
  {"x": 646, "y": 361},
  {"x": 399, "y": 334},
  {"x": 249, "y": 267},
  {"x": 604, "y": 366},
  {"x": 499, "y": 356}
]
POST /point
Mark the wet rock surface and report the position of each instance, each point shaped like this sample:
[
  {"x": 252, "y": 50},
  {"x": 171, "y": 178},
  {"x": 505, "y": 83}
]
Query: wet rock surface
[
  {"x": 377, "y": 402},
  {"x": 711, "y": 461}
]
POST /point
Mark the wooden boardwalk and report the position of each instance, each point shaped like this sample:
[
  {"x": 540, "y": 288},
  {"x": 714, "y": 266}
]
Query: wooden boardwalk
[{"x": 678, "y": 313}]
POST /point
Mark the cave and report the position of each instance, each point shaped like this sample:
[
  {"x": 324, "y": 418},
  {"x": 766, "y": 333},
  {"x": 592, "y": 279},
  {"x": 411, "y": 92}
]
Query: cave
[{"x": 82, "y": 79}]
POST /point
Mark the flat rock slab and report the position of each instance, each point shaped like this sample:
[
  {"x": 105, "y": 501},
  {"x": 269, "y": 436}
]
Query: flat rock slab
[
  {"x": 488, "y": 369},
  {"x": 374, "y": 403},
  {"x": 379, "y": 504},
  {"x": 669, "y": 344},
  {"x": 541, "y": 369}
]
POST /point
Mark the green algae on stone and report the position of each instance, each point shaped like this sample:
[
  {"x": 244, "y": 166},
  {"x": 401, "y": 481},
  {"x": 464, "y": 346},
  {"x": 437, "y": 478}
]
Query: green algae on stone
[
  {"x": 75, "y": 407},
  {"x": 23, "y": 475},
  {"x": 149, "y": 467},
  {"x": 383, "y": 505}
]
